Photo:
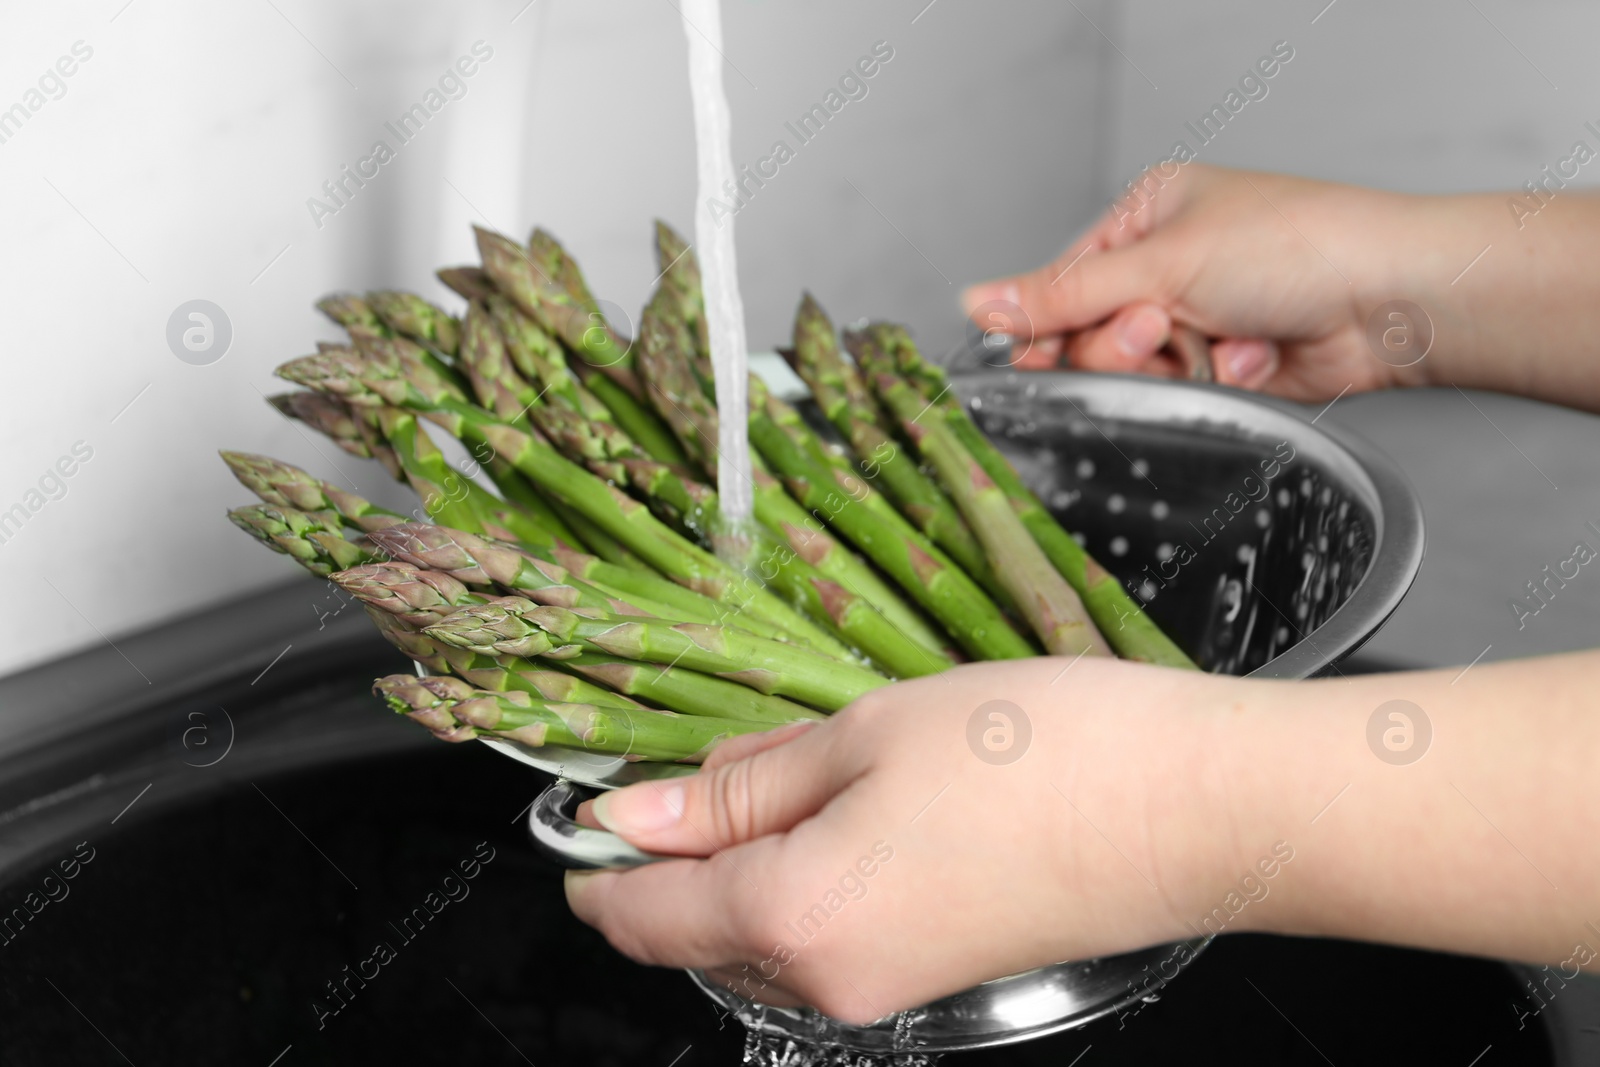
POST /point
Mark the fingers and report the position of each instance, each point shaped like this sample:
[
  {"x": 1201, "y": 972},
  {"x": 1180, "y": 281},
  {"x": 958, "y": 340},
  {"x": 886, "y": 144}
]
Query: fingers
[
  {"x": 746, "y": 745},
  {"x": 735, "y": 748},
  {"x": 671, "y": 914},
  {"x": 735, "y": 799},
  {"x": 1080, "y": 289},
  {"x": 1126, "y": 343},
  {"x": 1245, "y": 363}
]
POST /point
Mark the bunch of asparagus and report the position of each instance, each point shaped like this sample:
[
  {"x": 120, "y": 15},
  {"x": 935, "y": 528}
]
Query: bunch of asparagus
[{"x": 580, "y": 602}]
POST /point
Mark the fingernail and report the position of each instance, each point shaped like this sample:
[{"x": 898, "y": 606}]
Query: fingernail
[
  {"x": 1247, "y": 359},
  {"x": 574, "y": 881},
  {"x": 1143, "y": 333},
  {"x": 641, "y": 808},
  {"x": 975, "y": 296}
]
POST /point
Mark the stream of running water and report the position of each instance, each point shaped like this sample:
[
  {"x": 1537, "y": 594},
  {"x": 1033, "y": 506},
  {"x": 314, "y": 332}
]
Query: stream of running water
[{"x": 702, "y": 26}]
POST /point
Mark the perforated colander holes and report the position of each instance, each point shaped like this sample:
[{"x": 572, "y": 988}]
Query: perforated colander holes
[{"x": 1232, "y": 599}]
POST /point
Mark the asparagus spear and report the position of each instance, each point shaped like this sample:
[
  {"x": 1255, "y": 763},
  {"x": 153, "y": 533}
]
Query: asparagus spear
[
  {"x": 664, "y": 365},
  {"x": 1121, "y": 619},
  {"x": 413, "y": 643},
  {"x": 514, "y": 626},
  {"x": 488, "y": 368},
  {"x": 375, "y": 381},
  {"x": 685, "y": 691},
  {"x": 630, "y": 583},
  {"x": 539, "y": 358},
  {"x": 334, "y": 419},
  {"x": 680, "y": 275},
  {"x": 1044, "y": 597},
  {"x": 470, "y": 283},
  {"x": 499, "y": 674},
  {"x": 278, "y": 483},
  {"x": 831, "y": 599},
  {"x": 354, "y": 314},
  {"x": 586, "y": 333},
  {"x": 847, "y": 403},
  {"x": 908, "y": 557},
  {"x": 417, "y": 596},
  {"x": 476, "y": 561},
  {"x": 551, "y": 257},
  {"x": 407, "y": 598},
  {"x": 638, "y": 734},
  {"x": 411, "y": 316},
  {"x": 312, "y": 540}
]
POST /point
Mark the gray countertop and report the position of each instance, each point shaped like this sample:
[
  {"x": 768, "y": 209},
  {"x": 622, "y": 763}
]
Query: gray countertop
[{"x": 1507, "y": 486}]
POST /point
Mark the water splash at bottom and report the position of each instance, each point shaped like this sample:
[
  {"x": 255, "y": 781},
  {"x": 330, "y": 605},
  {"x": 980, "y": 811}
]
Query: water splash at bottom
[{"x": 772, "y": 1050}]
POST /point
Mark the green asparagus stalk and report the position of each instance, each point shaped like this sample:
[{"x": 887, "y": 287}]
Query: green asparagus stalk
[
  {"x": 1120, "y": 618},
  {"x": 407, "y": 597},
  {"x": 664, "y": 365},
  {"x": 475, "y": 561},
  {"x": 276, "y": 482},
  {"x": 488, "y": 368},
  {"x": 539, "y": 358},
  {"x": 499, "y": 674},
  {"x": 793, "y": 570},
  {"x": 417, "y": 596},
  {"x": 413, "y": 643},
  {"x": 354, "y": 314},
  {"x": 515, "y": 626},
  {"x": 679, "y": 270},
  {"x": 586, "y": 333},
  {"x": 445, "y": 494},
  {"x": 312, "y": 540},
  {"x": 553, "y": 259},
  {"x": 411, "y": 316},
  {"x": 1050, "y": 605},
  {"x": 639, "y": 586},
  {"x": 376, "y": 381},
  {"x": 637, "y": 734},
  {"x": 847, "y": 403},
  {"x": 688, "y": 692},
  {"x": 335, "y": 420},
  {"x": 470, "y": 283},
  {"x": 908, "y": 557}
]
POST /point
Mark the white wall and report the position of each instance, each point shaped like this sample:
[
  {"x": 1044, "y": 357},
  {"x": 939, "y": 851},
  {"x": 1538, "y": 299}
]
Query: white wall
[
  {"x": 179, "y": 160},
  {"x": 185, "y": 148}
]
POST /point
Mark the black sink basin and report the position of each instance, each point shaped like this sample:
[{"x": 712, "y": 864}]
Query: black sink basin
[{"x": 241, "y": 839}]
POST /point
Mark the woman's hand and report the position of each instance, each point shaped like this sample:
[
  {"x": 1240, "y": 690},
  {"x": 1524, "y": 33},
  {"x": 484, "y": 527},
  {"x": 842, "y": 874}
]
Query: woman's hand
[
  {"x": 1283, "y": 270},
  {"x": 932, "y": 836},
  {"x": 1298, "y": 282}
]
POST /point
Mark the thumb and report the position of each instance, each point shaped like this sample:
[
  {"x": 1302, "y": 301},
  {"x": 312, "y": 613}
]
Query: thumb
[
  {"x": 730, "y": 802},
  {"x": 1081, "y": 288}
]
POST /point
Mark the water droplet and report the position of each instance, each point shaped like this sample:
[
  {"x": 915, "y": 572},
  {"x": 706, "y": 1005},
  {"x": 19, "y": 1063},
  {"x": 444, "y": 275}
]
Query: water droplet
[
  {"x": 1263, "y": 518},
  {"x": 1119, "y": 546},
  {"x": 1140, "y": 468},
  {"x": 1082, "y": 540},
  {"x": 1160, "y": 510},
  {"x": 1284, "y": 498},
  {"x": 1085, "y": 468},
  {"x": 1164, "y": 551},
  {"x": 1116, "y": 503},
  {"x": 1245, "y": 554}
]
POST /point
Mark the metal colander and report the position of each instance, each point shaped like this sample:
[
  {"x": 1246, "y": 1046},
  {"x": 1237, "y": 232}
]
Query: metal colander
[{"x": 1262, "y": 542}]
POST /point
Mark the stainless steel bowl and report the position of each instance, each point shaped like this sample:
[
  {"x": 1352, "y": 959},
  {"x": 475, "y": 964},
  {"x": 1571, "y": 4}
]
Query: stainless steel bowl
[{"x": 1264, "y": 543}]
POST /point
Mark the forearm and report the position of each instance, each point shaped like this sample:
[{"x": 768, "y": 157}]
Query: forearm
[
  {"x": 1486, "y": 844},
  {"x": 1521, "y": 319}
]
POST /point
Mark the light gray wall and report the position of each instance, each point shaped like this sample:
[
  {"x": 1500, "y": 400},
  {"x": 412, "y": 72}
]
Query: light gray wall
[{"x": 178, "y": 164}]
